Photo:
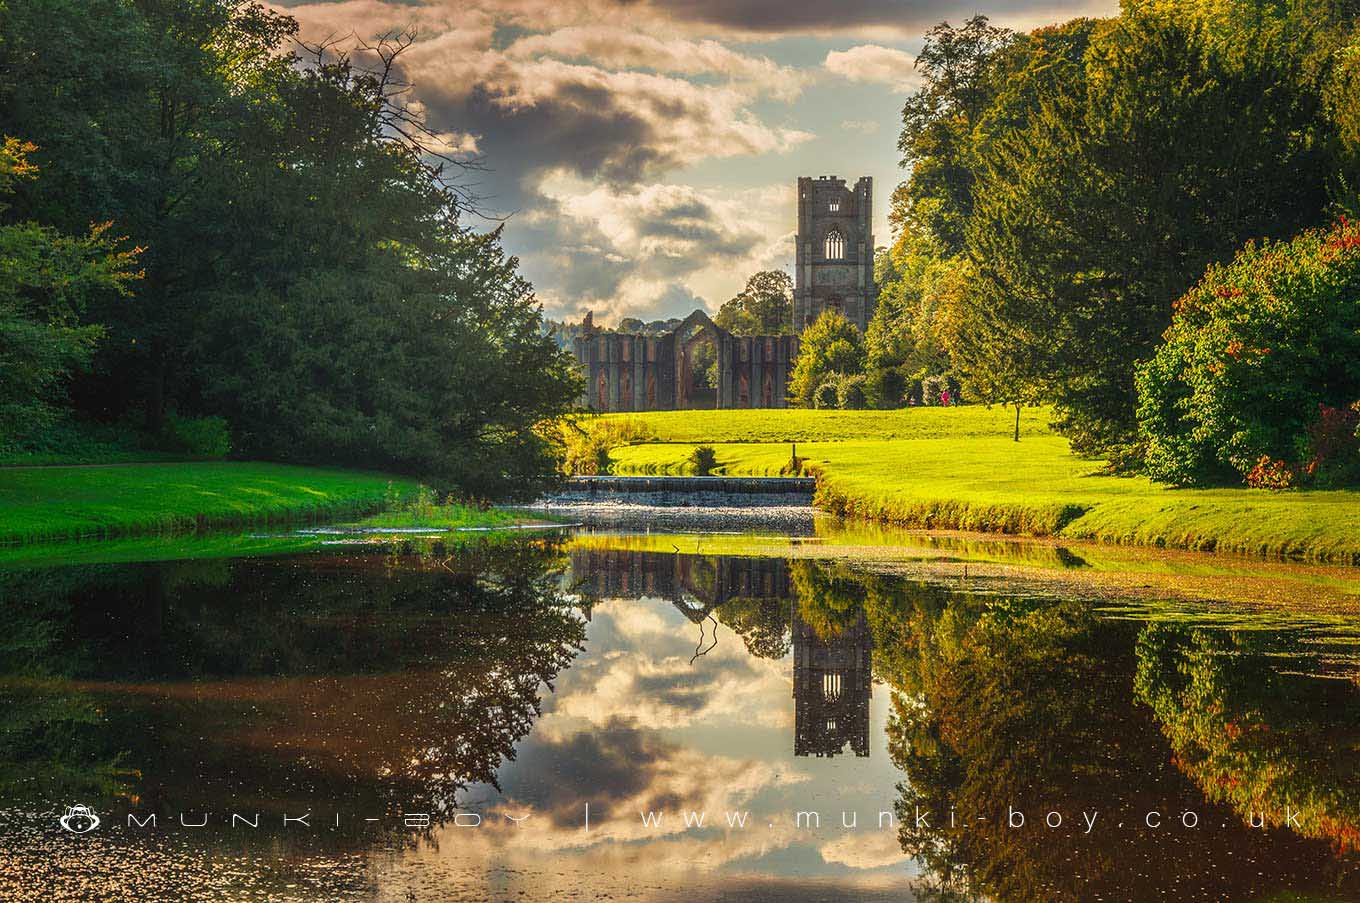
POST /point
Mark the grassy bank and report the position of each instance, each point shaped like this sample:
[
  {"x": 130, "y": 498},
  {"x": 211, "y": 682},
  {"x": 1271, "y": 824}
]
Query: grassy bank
[
  {"x": 958, "y": 468},
  {"x": 42, "y": 503}
]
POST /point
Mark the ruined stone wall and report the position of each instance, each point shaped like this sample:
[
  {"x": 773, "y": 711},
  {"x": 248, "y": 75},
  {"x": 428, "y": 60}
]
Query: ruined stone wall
[{"x": 632, "y": 372}]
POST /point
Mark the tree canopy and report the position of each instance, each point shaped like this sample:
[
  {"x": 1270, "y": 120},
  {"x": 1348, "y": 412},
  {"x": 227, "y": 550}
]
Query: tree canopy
[
  {"x": 1065, "y": 186},
  {"x": 308, "y": 271},
  {"x": 763, "y": 307},
  {"x": 832, "y": 345}
]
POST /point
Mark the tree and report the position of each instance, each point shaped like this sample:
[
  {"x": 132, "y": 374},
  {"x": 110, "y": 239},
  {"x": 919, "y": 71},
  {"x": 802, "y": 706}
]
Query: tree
[
  {"x": 144, "y": 118},
  {"x": 46, "y": 282},
  {"x": 1082, "y": 235},
  {"x": 307, "y": 271},
  {"x": 959, "y": 69},
  {"x": 962, "y": 71},
  {"x": 831, "y": 345},
  {"x": 763, "y": 307},
  {"x": 362, "y": 324},
  {"x": 993, "y": 365}
]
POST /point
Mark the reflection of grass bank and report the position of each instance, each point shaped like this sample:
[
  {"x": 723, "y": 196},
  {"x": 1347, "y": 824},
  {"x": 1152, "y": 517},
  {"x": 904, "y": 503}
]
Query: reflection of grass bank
[
  {"x": 957, "y": 468},
  {"x": 1040, "y": 566},
  {"x": 431, "y": 540}
]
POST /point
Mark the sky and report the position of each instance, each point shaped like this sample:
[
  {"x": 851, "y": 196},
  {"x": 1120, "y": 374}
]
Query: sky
[{"x": 643, "y": 154}]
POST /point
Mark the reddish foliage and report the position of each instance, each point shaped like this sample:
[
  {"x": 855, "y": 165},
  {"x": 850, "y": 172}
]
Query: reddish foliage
[
  {"x": 1271, "y": 474},
  {"x": 1346, "y": 237}
]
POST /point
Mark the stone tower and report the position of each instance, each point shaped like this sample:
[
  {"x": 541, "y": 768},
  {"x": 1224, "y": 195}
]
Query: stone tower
[{"x": 835, "y": 251}]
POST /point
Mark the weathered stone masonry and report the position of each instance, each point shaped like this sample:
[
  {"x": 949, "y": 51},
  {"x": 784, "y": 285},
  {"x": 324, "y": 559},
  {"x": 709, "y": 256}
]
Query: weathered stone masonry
[
  {"x": 835, "y": 267},
  {"x": 633, "y": 372}
]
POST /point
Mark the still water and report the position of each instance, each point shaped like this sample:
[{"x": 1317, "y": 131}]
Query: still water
[{"x": 593, "y": 715}]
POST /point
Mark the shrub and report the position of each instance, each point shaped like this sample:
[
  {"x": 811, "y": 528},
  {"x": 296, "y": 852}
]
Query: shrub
[
  {"x": 1268, "y": 474},
  {"x": 703, "y": 460},
  {"x": 850, "y": 393},
  {"x": 884, "y": 387},
  {"x": 197, "y": 437},
  {"x": 827, "y": 395},
  {"x": 1256, "y": 356},
  {"x": 587, "y": 442}
]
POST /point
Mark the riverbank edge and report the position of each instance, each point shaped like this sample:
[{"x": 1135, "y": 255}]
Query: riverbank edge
[
  {"x": 1091, "y": 522},
  {"x": 89, "y": 502}
]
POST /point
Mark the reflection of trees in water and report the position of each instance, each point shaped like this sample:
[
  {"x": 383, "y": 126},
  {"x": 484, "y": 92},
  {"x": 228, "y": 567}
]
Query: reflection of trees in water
[
  {"x": 1002, "y": 704},
  {"x": 387, "y": 679},
  {"x": 1254, "y": 729}
]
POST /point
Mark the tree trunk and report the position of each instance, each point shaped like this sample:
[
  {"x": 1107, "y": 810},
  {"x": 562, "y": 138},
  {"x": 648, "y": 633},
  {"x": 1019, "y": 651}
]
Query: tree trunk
[{"x": 1017, "y": 422}]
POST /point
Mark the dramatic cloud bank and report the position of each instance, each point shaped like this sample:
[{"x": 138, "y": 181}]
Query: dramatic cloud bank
[{"x": 644, "y": 154}]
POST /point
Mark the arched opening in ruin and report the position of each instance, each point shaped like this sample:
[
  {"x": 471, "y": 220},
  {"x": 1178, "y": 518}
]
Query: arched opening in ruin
[{"x": 698, "y": 372}]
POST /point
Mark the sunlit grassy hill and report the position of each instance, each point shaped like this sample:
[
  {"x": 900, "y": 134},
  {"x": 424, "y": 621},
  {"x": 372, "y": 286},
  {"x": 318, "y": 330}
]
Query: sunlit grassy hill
[
  {"x": 121, "y": 499},
  {"x": 958, "y": 468}
]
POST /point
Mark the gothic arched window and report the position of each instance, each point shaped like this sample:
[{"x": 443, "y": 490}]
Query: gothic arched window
[{"x": 835, "y": 245}]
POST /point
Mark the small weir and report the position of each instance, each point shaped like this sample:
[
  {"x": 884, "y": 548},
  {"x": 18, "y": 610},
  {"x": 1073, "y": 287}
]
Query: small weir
[
  {"x": 694, "y": 490},
  {"x": 688, "y": 503}
]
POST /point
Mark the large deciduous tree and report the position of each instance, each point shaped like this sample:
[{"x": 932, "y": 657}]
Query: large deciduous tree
[
  {"x": 763, "y": 307},
  {"x": 47, "y": 279},
  {"x": 308, "y": 271}
]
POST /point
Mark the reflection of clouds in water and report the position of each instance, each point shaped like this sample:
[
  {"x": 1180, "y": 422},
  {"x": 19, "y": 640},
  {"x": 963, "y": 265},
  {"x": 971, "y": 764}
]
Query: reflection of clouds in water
[
  {"x": 866, "y": 849},
  {"x": 620, "y": 735},
  {"x": 622, "y": 770},
  {"x": 648, "y": 678}
]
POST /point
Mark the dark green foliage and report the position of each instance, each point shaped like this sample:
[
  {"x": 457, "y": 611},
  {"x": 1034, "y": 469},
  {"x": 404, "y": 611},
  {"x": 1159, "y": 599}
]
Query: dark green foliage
[
  {"x": 703, "y": 460},
  {"x": 1067, "y": 185},
  {"x": 307, "y": 275},
  {"x": 1174, "y": 139},
  {"x": 196, "y": 437},
  {"x": 885, "y": 387},
  {"x": 1260, "y": 368}
]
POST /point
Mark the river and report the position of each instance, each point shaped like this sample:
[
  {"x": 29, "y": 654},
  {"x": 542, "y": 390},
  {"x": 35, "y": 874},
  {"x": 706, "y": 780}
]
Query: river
[{"x": 608, "y": 712}]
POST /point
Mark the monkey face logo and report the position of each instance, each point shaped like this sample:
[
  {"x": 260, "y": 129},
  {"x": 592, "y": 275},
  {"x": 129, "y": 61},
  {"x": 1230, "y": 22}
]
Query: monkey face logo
[{"x": 79, "y": 820}]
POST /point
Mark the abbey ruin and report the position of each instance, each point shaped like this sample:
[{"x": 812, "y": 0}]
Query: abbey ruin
[{"x": 701, "y": 365}]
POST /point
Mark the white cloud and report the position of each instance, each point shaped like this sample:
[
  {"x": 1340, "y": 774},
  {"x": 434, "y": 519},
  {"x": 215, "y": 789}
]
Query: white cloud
[
  {"x": 616, "y": 47},
  {"x": 873, "y": 849},
  {"x": 670, "y": 246},
  {"x": 874, "y": 64}
]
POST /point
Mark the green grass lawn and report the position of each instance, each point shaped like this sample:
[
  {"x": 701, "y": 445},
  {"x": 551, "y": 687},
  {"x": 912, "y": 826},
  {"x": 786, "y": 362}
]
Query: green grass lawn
[
  {"x": 40, "y": 503},
  {"x": 958, "y": 468}
]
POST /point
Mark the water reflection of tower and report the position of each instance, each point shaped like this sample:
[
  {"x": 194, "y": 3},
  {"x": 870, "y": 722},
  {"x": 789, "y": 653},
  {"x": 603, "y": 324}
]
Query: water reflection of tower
[{"x": 832, "y": 683}]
